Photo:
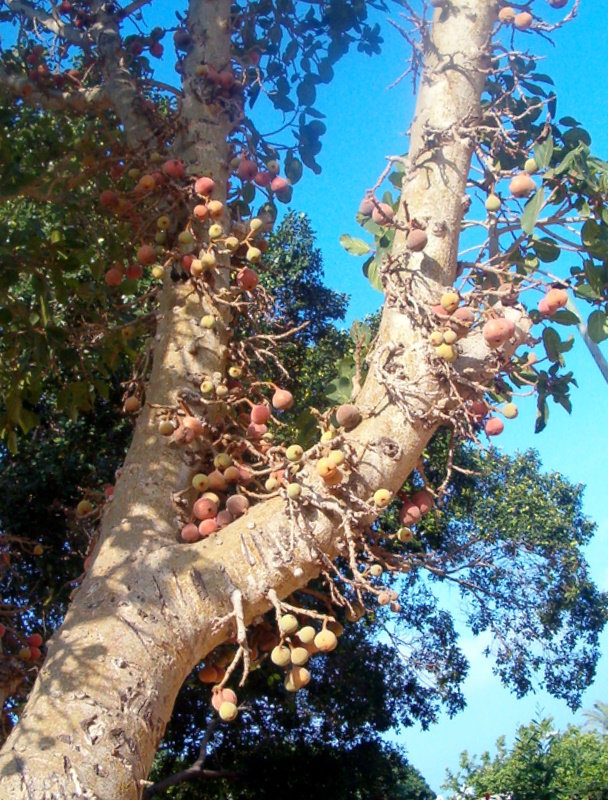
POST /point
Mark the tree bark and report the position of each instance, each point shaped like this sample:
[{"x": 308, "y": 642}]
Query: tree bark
[{"x": 151, "y": 607}]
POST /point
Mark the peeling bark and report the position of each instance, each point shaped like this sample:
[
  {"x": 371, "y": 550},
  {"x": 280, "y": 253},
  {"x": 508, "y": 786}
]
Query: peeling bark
[{"x": 150, "y": 608}]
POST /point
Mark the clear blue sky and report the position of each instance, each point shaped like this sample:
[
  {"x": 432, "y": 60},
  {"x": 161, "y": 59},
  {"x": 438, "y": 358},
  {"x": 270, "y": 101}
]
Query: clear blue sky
[{"x": 366, "y": 122}]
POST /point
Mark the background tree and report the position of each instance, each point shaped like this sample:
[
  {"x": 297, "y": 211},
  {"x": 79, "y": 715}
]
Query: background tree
[
  {"x": 151, "y": 605},
  {"x": 543, "y": 763}
]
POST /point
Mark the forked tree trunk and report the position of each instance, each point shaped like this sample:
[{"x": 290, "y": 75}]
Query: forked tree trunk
[{"x": 150, "y": 608}]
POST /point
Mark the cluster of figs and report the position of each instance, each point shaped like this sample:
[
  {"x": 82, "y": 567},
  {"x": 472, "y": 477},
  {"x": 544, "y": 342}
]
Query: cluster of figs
[
  {"x": 523, "y": 19},
  {"x": 290, "y": 649},
  {"x": 168, "y": 179}
]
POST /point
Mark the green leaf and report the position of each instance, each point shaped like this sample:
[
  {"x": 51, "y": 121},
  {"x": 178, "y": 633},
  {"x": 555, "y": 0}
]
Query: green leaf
[
  {"x": 597, "y": 326},
  {"x": 371, "y": 272},
  {"x": 586, "y": 292},
  {"x": 532, "y": 210},
  {"x": 565, "y": 317},
  {"x": 293, "y": 170},
  {"x": 543, "y": 152},
  {"x": 546, "y": 249},
  {"x": 552, "y": 344},
  {"x": 356, "y": 247},
  {"x": 542, "y": 414}
]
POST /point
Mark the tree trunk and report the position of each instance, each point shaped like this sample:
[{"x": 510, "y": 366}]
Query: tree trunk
[{"x": 150, "y": 607}]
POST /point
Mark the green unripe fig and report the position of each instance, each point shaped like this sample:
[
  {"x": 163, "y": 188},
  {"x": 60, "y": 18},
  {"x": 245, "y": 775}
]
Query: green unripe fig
[
  {"x": 200, "y": 482},
  {"x": 382, "y": 497},
  {"x": 493, "y": 203},
  {"x": 215, "y": 231},
  {"x": 165, "y": 427},
  {"x": 336, "y": 457},
  {"x": 531, "y": 167},
  {"x": 207, "y": 387},
  {"x": 255, "y": 224},
  {"x": 294, "y": 452},
  {"x": 185, "y": 238},
  {"x": 294, "y": 490},
  {"x": 83, "y": 508},
  {"x": 376, "y": 570},
  {"x": 228, "y": 711},
  {"x": 404, "y": 535},
  {"x": 450, "y": 336},
  {"x": 450, "y": 301},
  {"x": 272, "y": 485},
  {"x": 208, "y": 321},
  {"x": 232, "y": 243},
  {"x": 510, "y": 411},
  {"x": 446, "y": 352},
  {"x": 436, "y": 338},
  {"x": 162, "y": 223},
  {"x": 254, "y": 254}
]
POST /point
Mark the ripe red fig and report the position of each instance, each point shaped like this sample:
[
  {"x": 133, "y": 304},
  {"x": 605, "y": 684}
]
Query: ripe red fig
[
  {"x": 134, "y": 271},
  {"x": 237, "y": 505},
  {"x": 497, "y": 331},
  {"x": 204, "y": 508},
  {"x": 207, "y": 527},
  {"x": 382, "y": 214},
  {"x": 478, "y": 410},
  {"x": 189, "y": 533},
  {"x": 279, "y": 184},
  {"x": 35, "y": 640},
  {"x": 522, "y": 185},
  {"x": 366, "y": 206},
  {"x": 282, "y": 399},
  {"x": 416, "y": 240},
  {"x": 260, "y": 414},
  {"x": 263, "y": 179},
  {"x": 348, "y": 416},
  {"x": 494, "y": 426},
  {"x": 247, "y": 170},
  {"x": 113, "y": 277},
  {"x": 146, "y": 254},
  {"x": 108, "y": 198},
  {"x": 256, "y": 431},
  {"x": 523, "y": 21},
  {"x": 174, "y": 169},
  {"x": 410, "y": 513},
  {"x": 204, "y": 186},
  {"x": 555, "y": 298},
  {"x": 424, "y": 500},
  {"x": 558, "y": 3},
  {"x": 247, "y": 279},
  {"x": 193, "y": 424}
]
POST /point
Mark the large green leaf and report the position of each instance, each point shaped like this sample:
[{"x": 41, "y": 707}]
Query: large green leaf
[
  {"x": 532, "y": 210},
  {"x": 597, "y": 326},
  {"x": 356, "y": 247}
]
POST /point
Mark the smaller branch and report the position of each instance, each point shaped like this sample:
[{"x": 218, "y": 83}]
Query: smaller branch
[{"x": 50, "y": 22}]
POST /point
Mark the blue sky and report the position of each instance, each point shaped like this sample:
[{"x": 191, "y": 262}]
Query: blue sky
[{"x": 366, "y": 122}]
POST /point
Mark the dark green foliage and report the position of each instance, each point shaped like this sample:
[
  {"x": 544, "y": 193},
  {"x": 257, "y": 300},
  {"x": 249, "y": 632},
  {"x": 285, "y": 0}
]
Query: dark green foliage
[{"x": 511, "y": 537}]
